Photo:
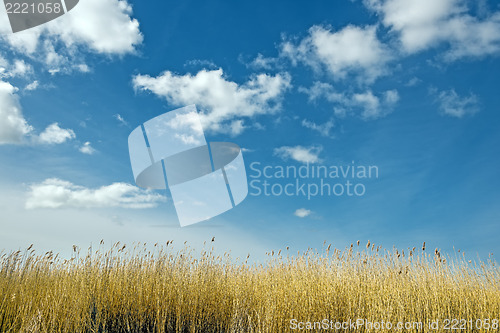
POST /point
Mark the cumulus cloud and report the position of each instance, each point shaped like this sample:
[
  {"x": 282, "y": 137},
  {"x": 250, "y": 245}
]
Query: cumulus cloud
[
  {"x": 55, "y": 193},
  {"x": 54, "y": 134},
  {"x": 451, "y": 104},
  {"x": 352, "y": 50},
  {"x": 13, "y": 126},
  {"x": 302, "y": 212},
  {"x": 422, "y": 24},
  {"x": 105, "y": 26},
  {"x": 300, "y": 153},
  {"x": 371, "y": 106},
  {"x": 87, "y": 148},
  {"x": 99, "y": 26},
  {"x": 224, "y": 104}
]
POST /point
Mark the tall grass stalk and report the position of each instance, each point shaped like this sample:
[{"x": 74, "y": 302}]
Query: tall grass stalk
[{"x": 162, "y": 290}]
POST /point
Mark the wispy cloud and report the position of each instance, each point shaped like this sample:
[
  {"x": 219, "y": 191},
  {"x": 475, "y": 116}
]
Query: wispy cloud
[
  {"x": 371, "y": 106},
  {"x": 454, "y": 105},
  {"x": 323, "y": 129},
  {"x": 120, "y": 119},
  {"x": 414, "y": 81},
  {"x": 32, "y": 86},
  {"x": 200, "y": 63},
  {"x": 261, "y": 62},
  {"x": 55, "y": 193}
]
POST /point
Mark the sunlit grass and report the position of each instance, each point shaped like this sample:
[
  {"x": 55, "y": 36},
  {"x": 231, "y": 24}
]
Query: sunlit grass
[{"x": 162, "y": 290}]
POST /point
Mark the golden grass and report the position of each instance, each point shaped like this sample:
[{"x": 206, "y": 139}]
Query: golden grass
[{"x": 163, "y": 290}]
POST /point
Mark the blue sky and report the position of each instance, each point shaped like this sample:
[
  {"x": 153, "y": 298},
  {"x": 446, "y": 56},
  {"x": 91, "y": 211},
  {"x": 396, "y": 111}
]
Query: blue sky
[{"x": 408, "y": 86}]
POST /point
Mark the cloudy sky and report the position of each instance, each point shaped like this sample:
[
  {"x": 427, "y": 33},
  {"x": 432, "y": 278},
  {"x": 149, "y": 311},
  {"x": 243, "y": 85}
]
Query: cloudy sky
[{"x": 407, "y": 86}]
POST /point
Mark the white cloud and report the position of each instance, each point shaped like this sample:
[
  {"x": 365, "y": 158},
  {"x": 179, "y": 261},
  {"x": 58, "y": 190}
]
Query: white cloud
[
  {"x": 369, "y": 102},
  {"x": 237, "y": 127},
  {"x": 352, "y": 50},
  {"x": 99, "y": 26},
  {"x": 200, "y": 63},
  {"x": 371, "y": 105},
  {"x": 391, "y": 96},
  {"x": 323, "y": 90},
  {"x": 24, "y": 43},
  {"x": 375, "y": 107},
  {"x": 470, "y": 37},
  {"x": 55, "y": 193},
  {"x": 453, "y": 105},
  {"x": 105, "y": 26},
  {"x": 323, "y": 129},
  {"x": 188, "y": 139},
  {"x": 261, "y": 62},
  {"x": 13, "y": 126},
  {"x": 414, "y": 20},
  {"x": 300, "y": 153},
  {"x": 422, "y": 24},
  {"x": 54, "y": 134},
  {"x": 414, "y": 81},
  {"x": 120, "y": 119},
  {"x": 84, "y": 68},
  {"x": 302, "y": 212},
  {"x": 223, "y": 103},
  {"x": 32, "y": 86},
  {"x": 87, "y": 148},
  {"x": 19, "y": 68}
]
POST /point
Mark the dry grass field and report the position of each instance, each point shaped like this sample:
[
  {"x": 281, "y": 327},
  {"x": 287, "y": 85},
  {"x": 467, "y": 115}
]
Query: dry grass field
[{"x": 131, "y": 289}]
